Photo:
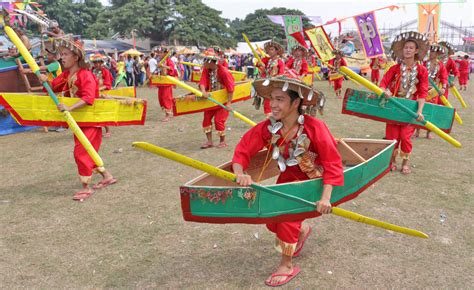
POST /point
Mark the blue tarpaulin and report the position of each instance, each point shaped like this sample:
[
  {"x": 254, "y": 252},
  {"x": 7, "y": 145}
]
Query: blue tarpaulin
[{"x": 9, "y": 126}]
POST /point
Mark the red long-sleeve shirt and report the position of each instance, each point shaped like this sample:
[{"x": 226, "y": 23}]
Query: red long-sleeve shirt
[
  {"x": 290, "y": 64},
  {"x": 224, "y": 77},
  {"x": 82, "y": 84},
  {"x": 322, "y": 144},
  {"x": 391, "y": 80}
]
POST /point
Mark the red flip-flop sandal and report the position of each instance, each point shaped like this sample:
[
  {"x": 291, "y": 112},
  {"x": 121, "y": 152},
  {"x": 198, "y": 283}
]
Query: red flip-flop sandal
[
  {"x": 289, "y": 277},
  {"x": 104, "y": 183},
  {"x": 298, "y": 251},
  {"x": 82, "y": 195}
]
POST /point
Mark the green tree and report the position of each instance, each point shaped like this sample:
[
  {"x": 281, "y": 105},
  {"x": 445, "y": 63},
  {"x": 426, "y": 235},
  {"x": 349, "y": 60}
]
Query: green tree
[
  {"x": 195, "y": 23},
  {"x": 73, "y": 17},
  {"x": 257, "y": 26}
]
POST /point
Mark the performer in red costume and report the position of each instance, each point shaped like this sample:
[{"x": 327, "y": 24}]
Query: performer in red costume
[
  {"x": 215, "y": 77},
  {"x": 335, "y": 77},
  {"x": 221, "y": 55},
  {"x": 165, "y": 91},
  {"x": 436, "y": 72},
  {"x": 297, "y": 63},
  {"x": 375, "y": 64},
  {"x": 449, "y": 64},
  {"x": 291, "y": 131},
  {"x": 274, "y": 66},
  {"x": 407, "y": 79},
  {"x": 104, "y": 77},
  {"x": 464, "y": 66},
  {"x": 77, "y": 81}
]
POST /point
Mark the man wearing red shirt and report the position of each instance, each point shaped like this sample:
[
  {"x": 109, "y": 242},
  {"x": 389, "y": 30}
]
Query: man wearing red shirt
[
  {"x": 215, "y": 77},
  {"x": 288, "y": 131},
  {"x": 408, "y": 79},
  {"x": 375, "y": 69},
  {"x": 165, "y": 91},
  {"x": 464, "y": 67},
  {"x": 273, "y": 65},
  {"x": 449, "y": 64},
  {"x": 297, "y": 62},
  {"x": 78, "y": 82},
  {"x": 334, "y": 76}
]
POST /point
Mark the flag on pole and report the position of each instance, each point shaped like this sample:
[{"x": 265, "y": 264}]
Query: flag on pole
[
  {"x": 428, "y": 20},
  {"x": 293, "y": 23},
  {"x": 369, "y": 34},
  {"x": 320, "y": 42}
]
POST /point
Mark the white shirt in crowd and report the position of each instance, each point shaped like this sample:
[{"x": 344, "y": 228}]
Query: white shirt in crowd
[{"x": 153, "y": 64}]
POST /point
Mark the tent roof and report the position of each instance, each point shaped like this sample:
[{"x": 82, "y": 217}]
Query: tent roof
[
  {"x": 242, "y": 47},
  {"x": 108, "y": 46}
]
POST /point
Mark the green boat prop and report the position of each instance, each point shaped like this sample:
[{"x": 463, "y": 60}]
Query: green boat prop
[
  {"x": 209, "y": 199},
  {"x": 367, "y": 105}
]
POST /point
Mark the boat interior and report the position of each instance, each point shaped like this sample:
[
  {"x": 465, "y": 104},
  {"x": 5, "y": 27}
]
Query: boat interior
[{"x": 353, "y": 152}]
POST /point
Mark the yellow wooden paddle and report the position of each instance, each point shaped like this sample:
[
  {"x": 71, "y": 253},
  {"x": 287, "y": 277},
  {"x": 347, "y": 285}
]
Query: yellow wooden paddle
[
  {"x": 198, "y": 93},
  {"x": 67, "y": 115},
  {"x": 217, "y": 172},
  {"x": 456, "y": 93},
  {"x": 444, "y": 100}
]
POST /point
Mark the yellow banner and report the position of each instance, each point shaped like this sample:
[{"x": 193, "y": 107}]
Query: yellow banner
[
  {"x": 320, "y": 42},
  {"x": 428, "y": 20}
]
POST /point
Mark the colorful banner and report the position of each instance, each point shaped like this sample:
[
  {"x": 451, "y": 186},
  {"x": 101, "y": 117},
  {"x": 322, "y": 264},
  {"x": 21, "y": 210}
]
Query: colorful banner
[
  {"x": 320, "y": 42},
  {"x": 428, "y": 20},
  {"x": 293, "y": 23},
  {"x": 369, "y": 34}
]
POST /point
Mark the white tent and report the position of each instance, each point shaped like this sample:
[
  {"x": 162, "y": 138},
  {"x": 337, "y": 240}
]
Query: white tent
[{"x": 243, "y": 47}]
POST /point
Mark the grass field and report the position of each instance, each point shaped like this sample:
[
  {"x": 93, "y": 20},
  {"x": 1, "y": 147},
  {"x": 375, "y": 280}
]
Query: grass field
[{"x": 132, "y": 235}]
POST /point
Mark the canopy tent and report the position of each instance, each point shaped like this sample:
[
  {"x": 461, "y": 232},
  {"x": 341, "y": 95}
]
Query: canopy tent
[
  {"x": 132, "y": 52},
  {"x": 186, "y": 51},
  {"x": 108, "y": 46},
  {"x": 242, "y": 47}
]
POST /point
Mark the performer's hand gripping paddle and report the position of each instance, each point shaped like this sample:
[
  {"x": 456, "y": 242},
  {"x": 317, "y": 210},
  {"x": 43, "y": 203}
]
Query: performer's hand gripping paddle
[
  {"x": 217, "y": 172},
  {"x": 198, "y": 93},
  {"x": 69, "y": 119}
]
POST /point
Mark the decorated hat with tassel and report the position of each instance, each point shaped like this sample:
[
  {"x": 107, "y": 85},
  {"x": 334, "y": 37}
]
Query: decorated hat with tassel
[{"x": 421, "y": 41}]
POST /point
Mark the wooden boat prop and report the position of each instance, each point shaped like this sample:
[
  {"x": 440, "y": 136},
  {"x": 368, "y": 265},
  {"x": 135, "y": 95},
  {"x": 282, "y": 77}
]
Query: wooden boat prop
[
  {"x": 190, "y": 104},
  {"x": 238, "y": 75},
  {"x": 209, "y": 199},
  {"x": 40, "y": 110},
  {"x": 367, "y": 105},
  {"x": 11, "y": 78},
  {"x": 129, "y": 92}
]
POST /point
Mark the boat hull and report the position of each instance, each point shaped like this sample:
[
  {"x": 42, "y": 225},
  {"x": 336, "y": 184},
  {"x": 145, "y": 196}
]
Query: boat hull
[
  {"x": 367, "y": 105},
  {"x": 11, "y": 79},
  {"x": 238, "y": 76},
  {"x": 221, "y": 202},
  {"x": 40, "y": 110},
  {"x": 189, "y": 104},
  {"x": 129, "y": 92}
]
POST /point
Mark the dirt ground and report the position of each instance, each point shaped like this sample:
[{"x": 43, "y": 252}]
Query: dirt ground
[{"x": 132, "y": 235}]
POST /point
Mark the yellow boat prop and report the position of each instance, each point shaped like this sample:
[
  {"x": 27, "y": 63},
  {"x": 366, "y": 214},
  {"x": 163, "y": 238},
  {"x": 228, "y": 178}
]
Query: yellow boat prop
[
  {"x": 39, "y": 110},
  {"x": 196, "y": 75},
  {"x": 129, "y": 92},
  {"x": 223, "y": 174},
  {"x": 444, "y": 100},
  {"x": 241, "y": 92}
]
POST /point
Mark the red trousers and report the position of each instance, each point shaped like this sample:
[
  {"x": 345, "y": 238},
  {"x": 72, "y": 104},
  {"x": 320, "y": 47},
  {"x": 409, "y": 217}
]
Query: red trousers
[
  {"x": 165, "y": 97},
  {"x": 375, "y": 75},
  {"x": 220, "y": 116},
  {"x": 85, "y": 164},
  {"x": 337, "y": 83},
  {"x": 266, "y": 106},
  {"x": 463, "y": 77},
  {"x": 401, "y": 133},
  {"x": 287, "y": 234}
]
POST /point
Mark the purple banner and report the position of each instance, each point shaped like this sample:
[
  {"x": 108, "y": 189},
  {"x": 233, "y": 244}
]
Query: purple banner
[{"x": 369, "y": 34}]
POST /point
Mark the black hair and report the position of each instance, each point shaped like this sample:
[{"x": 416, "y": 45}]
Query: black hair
[
  {"x": 466, "y": 56},
  {"x": 295, "y": 96}
]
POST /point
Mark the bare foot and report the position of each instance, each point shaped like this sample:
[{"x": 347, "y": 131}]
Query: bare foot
[{"x": 406, "y": 169}]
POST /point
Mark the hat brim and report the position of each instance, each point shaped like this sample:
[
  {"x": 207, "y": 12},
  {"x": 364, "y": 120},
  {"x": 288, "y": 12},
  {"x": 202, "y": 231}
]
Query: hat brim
[
  {"x": 61, "y": 43},
  {"x": 418, "y": 38},
  {"x": 279, "y": 47},
  {"x": 299, "y": 87},
  {"x": 447, "y": 46}
]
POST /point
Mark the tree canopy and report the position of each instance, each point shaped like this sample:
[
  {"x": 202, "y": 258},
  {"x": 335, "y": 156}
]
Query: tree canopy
[{"x": 187, "y": 22}]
